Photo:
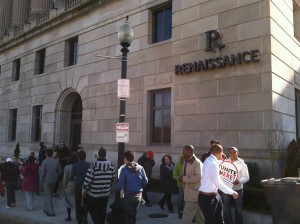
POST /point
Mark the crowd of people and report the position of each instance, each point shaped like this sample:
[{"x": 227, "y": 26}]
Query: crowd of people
[{"x": 202, "y": 195}]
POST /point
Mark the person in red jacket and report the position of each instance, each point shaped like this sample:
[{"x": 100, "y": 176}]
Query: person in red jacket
[{"x": 30, "y": 182}]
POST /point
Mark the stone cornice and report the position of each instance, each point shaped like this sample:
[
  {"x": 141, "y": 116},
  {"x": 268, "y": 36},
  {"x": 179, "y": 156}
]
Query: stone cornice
[{"x": 52, "y": 22}]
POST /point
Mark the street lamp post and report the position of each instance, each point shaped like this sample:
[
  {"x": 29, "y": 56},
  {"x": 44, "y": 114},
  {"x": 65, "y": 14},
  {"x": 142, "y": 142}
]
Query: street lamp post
[{"x": 125, "y": 36}]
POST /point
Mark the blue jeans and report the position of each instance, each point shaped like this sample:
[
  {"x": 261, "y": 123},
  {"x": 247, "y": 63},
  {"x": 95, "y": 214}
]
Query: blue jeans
[
  {"x": 130, "y": 206},
  {"x": 228, "y": 201},
  {"x": 180, "y": 202}
]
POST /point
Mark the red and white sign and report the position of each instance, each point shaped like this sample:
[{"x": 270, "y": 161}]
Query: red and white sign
[
  {"x": 228, "y": 173},
  {"x": 122, "y": 132},
  {"x": 123, "y": 88}
]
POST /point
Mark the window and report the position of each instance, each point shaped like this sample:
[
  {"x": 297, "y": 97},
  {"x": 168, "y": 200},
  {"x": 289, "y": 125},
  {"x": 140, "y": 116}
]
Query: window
[
  {"x": 296, "y": 13},
  {"x": 13, "y": 124},
  {"x": 16, "y": 70},
  {"x": 40, "y": 61},
  {"x": 37, "y": 123},
  {"x": 161, "y": 117},
  {"x": 162, "y": 24},
  {"x": 72, "y": 51},
  {"x": 297, "y": 106}
]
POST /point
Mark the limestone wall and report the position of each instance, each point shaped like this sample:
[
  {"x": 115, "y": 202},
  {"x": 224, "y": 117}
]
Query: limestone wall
[{"x": 237, "y": 105}]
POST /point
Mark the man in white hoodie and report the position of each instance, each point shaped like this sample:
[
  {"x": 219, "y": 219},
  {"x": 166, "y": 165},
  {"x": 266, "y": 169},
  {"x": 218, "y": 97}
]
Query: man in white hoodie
[{"x": 243, "y": 177}]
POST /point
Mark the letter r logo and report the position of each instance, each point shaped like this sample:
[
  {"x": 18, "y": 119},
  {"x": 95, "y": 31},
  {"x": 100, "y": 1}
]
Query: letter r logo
[{"x": 211, "y": 38}]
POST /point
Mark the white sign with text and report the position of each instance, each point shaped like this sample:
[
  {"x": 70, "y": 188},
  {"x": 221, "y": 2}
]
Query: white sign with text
[
  {"x": 123, "y": 88},
  {"x": 122, "y": 132},
  {"x": 228, "y": 173}
]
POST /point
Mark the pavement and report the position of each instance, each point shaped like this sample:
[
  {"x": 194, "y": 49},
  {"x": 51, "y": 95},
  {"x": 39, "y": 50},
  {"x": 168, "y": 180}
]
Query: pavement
[{"x": 37, "y": 216}]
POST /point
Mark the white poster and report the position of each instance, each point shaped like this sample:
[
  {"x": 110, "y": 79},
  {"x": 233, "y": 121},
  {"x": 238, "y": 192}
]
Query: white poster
[
  {"x": 123, "y": 88},
  {"x": 228, "y": 173},
  {"x": 122, "y": 132}
]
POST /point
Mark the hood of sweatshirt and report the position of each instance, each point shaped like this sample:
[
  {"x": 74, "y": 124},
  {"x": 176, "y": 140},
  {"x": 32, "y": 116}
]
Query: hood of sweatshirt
[
  {"x": 133, "y": 167},
  {"x": 103, "y": 165}
]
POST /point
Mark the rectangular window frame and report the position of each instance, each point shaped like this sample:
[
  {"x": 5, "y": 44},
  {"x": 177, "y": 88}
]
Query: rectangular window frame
[
  {"x": 13, "y": 119},
  {"x": 297, "y": 112},
  {"x": 37, "y": 118},
  {"x": 162, "y": 108},
  {"x": 72, "y": 51},
  {"x": 40, "y": 60},
  {"x": 166, "y": 36},
  {"x": 296, "y": 18},
  {"x": 16, "y": 70}
]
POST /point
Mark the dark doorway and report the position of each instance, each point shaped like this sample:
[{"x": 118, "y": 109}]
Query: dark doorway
[{"x": 76, "y": 121}]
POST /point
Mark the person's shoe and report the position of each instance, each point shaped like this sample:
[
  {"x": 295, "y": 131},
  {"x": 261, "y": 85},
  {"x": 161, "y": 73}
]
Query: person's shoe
[
  {"x": 180, "y": 215},
  {"x": 13, "y": 204},
  {"x": 148, "y": 204},
  {"x": 7, "y": 206},
  {"x": 171, "y": 211},
  {"x": 28, "y": 210},
  {"x": 48, "y": 214},
  {"x": 68, "y": 219},
  {"x": 54, "y": 195}
]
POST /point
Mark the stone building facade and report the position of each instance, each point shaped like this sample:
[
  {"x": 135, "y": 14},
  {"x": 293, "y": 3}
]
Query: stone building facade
[{"x": 198, "y": 70}]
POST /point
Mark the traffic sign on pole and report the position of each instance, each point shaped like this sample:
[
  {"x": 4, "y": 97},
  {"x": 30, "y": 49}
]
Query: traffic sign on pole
[
  {"x": 123, "y": 88},
  {"x": 122, "y": 132}
]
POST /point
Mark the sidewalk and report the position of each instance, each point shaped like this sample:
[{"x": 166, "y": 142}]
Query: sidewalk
[{"x": 37, "y": 215}]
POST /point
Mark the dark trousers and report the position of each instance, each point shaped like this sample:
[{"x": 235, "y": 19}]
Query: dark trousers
[
  {"x": 57, "y": 184},
  {"x": 167, "y": 197},
  {"x": 10, "y": 192},
  {"x": 80, "y": 206},
  {"x": 97, "y": 208},
  {"x": 131, "y": 205},
  {"x": 212, "y": 208},
  {"x": 144, "y": 194}
]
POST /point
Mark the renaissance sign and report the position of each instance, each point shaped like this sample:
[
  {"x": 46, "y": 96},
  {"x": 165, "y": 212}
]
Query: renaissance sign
[{"x": 218, "y": 62}]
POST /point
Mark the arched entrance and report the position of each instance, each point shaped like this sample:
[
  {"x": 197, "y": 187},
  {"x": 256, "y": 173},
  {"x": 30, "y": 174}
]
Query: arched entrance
[{"x": 69, "y": 119}]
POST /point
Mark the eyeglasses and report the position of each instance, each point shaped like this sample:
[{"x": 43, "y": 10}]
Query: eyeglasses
[{"x": 232, "y": 152}]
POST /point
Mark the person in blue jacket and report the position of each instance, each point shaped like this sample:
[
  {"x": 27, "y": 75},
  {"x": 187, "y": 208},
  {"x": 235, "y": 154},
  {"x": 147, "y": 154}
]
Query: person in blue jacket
[{"x": 132, "y": 179}]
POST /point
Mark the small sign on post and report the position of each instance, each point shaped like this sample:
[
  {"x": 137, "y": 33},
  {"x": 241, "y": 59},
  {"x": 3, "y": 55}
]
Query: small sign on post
[
  {"x": 123, "y": 88},
  {"x": 122, "y": 132}
]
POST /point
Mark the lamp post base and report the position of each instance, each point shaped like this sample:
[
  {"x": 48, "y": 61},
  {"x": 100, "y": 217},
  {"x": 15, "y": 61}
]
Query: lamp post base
[{"x": 116, "y": 215}]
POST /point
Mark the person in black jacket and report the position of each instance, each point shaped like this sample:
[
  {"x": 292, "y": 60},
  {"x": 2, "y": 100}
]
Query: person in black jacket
[
  {"x": 169, "y": 185},
  {"x": 10, "y": 173},
  {"x": 147, "y": 161}
]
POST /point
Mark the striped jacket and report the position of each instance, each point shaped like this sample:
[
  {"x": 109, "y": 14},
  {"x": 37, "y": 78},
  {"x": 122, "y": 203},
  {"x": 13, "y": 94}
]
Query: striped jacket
[{"x": 99, "y": 178}]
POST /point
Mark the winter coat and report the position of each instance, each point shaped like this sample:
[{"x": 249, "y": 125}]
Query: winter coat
[
  {"x": 9, "y": 171},
  {"x": 192, "y": 172},
  {"x": 132, "y": 179},
  {"x": 177, "y": 172},
  {"x": 99, "y": 178},
  {"x": 169, "y": 185},
  {"x": 147, "y": 163},
  {"x": 31, "y": 174}
]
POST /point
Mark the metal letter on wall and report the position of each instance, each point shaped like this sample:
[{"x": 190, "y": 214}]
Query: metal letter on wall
[{"x": 211, "y": 39}]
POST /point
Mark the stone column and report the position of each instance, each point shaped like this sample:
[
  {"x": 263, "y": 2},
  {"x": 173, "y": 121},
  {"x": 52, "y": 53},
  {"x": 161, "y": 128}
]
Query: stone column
[
  {"x": 5, "y": 15},
  {"x": 40, "y": 6},
  {"x": 20, "y": 12}
]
